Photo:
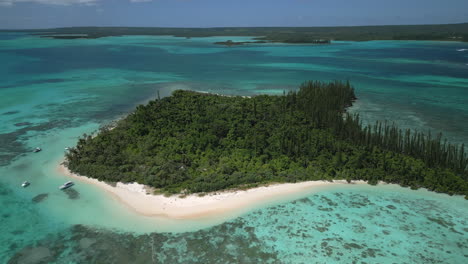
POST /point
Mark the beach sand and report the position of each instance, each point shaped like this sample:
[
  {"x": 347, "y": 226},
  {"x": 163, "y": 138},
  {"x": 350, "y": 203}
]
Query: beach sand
[{"x": 232, "y": 202}]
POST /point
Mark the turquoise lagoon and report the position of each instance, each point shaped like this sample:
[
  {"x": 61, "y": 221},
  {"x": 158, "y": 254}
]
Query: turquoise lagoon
[{"x": 53, "y": 91}]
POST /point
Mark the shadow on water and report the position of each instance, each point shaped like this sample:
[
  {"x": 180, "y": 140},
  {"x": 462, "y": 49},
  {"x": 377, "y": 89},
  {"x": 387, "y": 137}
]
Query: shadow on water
[
  {"x": 72, "y": 194},
  {"x": 40, "y": 197}
]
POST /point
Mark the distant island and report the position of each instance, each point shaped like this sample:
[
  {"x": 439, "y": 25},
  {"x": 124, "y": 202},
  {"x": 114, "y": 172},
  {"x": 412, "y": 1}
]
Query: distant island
[
  {"x": 194, "y": 142},
  {"x": 230, "y": 43},
  {"x": 443, "y": 32}
]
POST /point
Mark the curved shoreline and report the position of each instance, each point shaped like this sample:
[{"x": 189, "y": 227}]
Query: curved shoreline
[{"x": 234, "y": 203}]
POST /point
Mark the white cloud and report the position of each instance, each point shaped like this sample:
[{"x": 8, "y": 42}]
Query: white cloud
[{"x": 61, "y": 2}]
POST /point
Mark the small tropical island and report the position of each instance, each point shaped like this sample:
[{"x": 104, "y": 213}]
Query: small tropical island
[
  {"x": 230, "y": 43},
  {"x": 194, "y": 142}
]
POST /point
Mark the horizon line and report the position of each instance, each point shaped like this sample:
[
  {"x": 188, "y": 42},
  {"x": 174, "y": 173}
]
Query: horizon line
[{"x": 383, "y": 25}]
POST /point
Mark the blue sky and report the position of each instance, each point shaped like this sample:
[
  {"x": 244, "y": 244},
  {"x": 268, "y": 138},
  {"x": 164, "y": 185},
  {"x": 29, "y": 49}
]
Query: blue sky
[{"x": 222, "y": 13}]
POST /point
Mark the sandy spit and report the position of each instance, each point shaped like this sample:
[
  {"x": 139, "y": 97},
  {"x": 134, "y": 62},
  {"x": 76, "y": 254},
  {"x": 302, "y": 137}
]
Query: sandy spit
[{"x": 137, "y": 198}]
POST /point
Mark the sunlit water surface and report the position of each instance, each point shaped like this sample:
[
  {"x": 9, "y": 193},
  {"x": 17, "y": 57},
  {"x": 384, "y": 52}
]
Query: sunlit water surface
[{"x": 52, "y": 91}]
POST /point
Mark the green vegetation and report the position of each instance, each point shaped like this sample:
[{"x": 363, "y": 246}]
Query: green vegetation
[
  {"x": 230, "y": 43},
  {"x": 447, "y": 32},
  {"x": 194, "y": 142}
]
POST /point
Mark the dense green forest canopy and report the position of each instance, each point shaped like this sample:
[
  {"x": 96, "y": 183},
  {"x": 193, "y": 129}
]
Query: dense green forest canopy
[
  {"x": 194, "y": 142},
  {"x": 446, "y": 32}
]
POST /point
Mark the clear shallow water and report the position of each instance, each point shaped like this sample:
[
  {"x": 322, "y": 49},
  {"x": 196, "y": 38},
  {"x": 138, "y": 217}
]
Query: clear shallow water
[
  {"x": 385, "y": 224},
  {"x": 52, "y": 91}
]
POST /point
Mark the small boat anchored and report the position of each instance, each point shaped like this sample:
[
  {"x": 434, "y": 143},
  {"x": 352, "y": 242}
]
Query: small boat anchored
[
  {"x": 37, "y": 149},
  {"x": 462, "y": 49},
  {"x": 25, "y": 184},
  {"x": 66, "y": 185}
]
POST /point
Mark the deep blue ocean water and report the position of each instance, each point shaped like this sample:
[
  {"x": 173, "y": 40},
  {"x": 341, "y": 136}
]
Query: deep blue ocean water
[{"x": 52, "y": 91}]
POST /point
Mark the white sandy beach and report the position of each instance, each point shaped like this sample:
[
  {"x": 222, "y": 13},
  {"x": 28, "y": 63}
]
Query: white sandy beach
[{"x": 135, "y": 197}]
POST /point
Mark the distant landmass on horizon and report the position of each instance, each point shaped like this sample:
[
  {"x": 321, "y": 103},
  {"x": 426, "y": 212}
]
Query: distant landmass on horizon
[{"x": 440, "y": 32}]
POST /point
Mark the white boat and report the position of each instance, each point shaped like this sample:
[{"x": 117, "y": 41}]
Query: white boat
[
  {"x": 25, "y": 184},
  {"x": 66, "y": 185},
  {"x": 67, "y": 148},
  {"x": 37, "y": 149},
  {"x": 462, "y": 49}
]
